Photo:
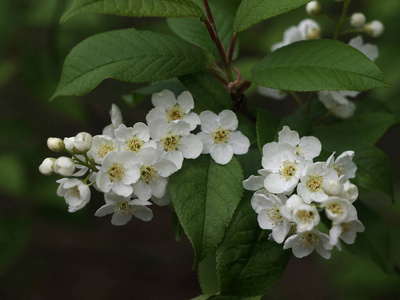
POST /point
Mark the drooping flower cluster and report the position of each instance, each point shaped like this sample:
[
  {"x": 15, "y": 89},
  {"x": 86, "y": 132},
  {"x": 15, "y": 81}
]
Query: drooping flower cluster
[
  {"x": 292, "y": 190},
  {"x": 131, "y": 165},
  {"x": 338, "y": 103}
]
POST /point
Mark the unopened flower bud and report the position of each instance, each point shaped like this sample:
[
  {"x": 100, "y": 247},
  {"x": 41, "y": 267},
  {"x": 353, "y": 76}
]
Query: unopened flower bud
[
  {"x": 357, "y": 20},
  {"x": 350, "y": 192},
  {"x": 313, "y": 8},
  {"x": 47, "y": 166},
  {"x": 64, "y": 166},
  {"x": 55, "y": 144},
  {"x": 314, "y": 34},
  {"x": 70, "y": 144},
  {"x": 83, "y": 141},
  {"x": 332, "y": 187},
  {"x": 374, "y": 28}
]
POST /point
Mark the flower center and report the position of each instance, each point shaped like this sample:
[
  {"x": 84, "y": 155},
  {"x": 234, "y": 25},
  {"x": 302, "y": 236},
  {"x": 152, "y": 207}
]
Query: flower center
[
  {"x": 288, "y": 170},
  {"x": 306, "y": 216},
  {"x": 274, "y": 215},
  {"x": 171, "y": 142},
  {"x": 298, "y": 151},
  {"x": 220, "y": 136},
  {"x": 175, "y": 113},
  {"x": 148, "y": 174},
  {"x": 134, "y": 144},
  {"x": 104, "y": 149},
  {"x": 123, "y": 209},
  {"x": 346, "y": 227},
  {"x": 314, "y": 183},
  {"x": 309, "y": 240},
  {"x": 116, "y": 172},
  {"x": 74, "y": 191},
  {"x": 335, "y": 208},
  {"x": 339, "y": 169}
]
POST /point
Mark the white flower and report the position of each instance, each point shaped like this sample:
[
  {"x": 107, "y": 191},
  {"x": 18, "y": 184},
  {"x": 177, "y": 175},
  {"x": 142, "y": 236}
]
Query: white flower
[
  {"x": 313, "y": 8},
  {"x": 123, "y": 208},
  {"x": 101, "y": 146},
  {"x": 176, "y": 141},
  {"x": 118, "y": 172},
  {"x": 116, "y": 120},
  {"x": 55, "y": 144},
  {"x": 134, "y": 138},
  {"x": 369, "y": 50},
  {"x": 285, "y": 167},
  {"x": 304, "y": 243},
  {"x": 76, "y": 193},
  {"x": 343, "y": 164},
  {"x": 153, "y": 174},
  {"x": 346, "y": 231},
  {"x": 337, "y": 102},
  {"x": 308, "y": 147},
  {"x": 332, "y": 187},
  {"x": 220, "y": 137},
  {"x": 339, "y": 210},
  {"x": 349, "y": 192},
  {"x": 64, "y": 166},
  {"x": 83, "y": 141},
  {"x": 47, "y": 166},
  {"x": 272, "y": 93},
  {"x": 256, "y": 183},
  {"x": 171, "y": 109},
  {"x": 305, "y": 216},
  {"x": 357, "y": 20},
  {"x": 269, "y": 215},
  {"x": 374, "y": 28},
  {"x": 310, "y": 187}
]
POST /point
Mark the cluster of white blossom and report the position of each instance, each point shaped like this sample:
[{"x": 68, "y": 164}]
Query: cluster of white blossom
[
  {"x": 292, "y": 190},
  {"x": 336, "y": 102},
  {"x": 131, "y": 165}
]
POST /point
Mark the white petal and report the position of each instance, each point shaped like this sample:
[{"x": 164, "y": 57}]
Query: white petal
[
  {"x": 253, "y": 183},
  {"x": 239, "y": 142},
  {"x": 228, "y": 120},
  {"x": 209, "y": 121},
  {"x": 310, "y": 147},
  {"x": 120, "y": 219},
  {"x": 158, "y": 187},
  {"x": 142, "y": 190},
  {"x": 143, "y": 213},
  {"x": 164, "y": 99},
  {"x": 165, "y": 167},
  {"x": 122, "y": 189},
  {"x": 191, "y": 147},
  {"x": 288, "y": 136},
  {"x": 105, "y": 210},
  {"x": 174, "y": 156},
  {"x": 207, "y": 141},
  {"x": 185, "y": 101},
  {"x": 193, "y": 120},
  {"x": 222, "y": 154}
]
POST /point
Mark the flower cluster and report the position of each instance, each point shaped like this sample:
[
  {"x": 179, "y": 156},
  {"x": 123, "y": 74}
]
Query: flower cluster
[
  {"x": 338, "y": 103},
  {"x": 292, "y": 190},
  {"x": 131, "y": 165}
]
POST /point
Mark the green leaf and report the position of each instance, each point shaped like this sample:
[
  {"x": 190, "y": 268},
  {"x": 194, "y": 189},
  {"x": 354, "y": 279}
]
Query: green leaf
[
  {"x": 205, "y": 196},
  {"x": 374, "y": 172},
  {"x": 127, "y": 55},
  {"x": 248, "y": 263},
  {"x": 374, "y": 243},
  {"x": 267, "y": 127},
  {"x": 134, "y": 8},
  {"x": 195, "y": 32},
  {"x": 208, "y": 275},
  {"x": 318, "y": 65},
  {"x": 297, "y": 121},
  {"x": 251, "y": 12},
  {"x": 208, "y": 91},
  {"x": 247, "y": 128},
  {"x": 177, "y": 227}
]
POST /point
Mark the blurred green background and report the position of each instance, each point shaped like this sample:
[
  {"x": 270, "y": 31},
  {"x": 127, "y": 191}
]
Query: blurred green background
[{"x": 46, "y": 252}]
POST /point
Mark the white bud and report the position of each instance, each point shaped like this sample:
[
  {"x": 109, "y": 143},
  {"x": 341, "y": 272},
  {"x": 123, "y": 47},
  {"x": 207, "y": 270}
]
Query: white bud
[
  {"x": 374, "y": 28},
  {"x": 55, "y": 144},
  {"x": 64, "y": 166},
  {"x": 332, "y": 187},
  {"x": 314, "y": 34},
  {"x": 47, "y": 166},
  {"x": 357, "y": 20},
  {"x": 313, "y": 8},
  {"x": 350, "y": 191},
  {"x": 83, "y": 141},
  {"x": 70, "y": 144}
]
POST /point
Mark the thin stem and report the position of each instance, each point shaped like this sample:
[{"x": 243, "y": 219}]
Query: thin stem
[
  {"x": 87, "y": 177},
  {"x": 360, "y": 30},
  {"x": 298, "y": 99},
  {"x": 216, "y": 75},
  {"x": 81, "y": 162},
  {"x": 309, "y": 101},
  {"x": 327, "y": 17},
  {"x": 323, "y": 118},
  {"x": 341, "y": 20},
  {"x": 232, "y": 47}
]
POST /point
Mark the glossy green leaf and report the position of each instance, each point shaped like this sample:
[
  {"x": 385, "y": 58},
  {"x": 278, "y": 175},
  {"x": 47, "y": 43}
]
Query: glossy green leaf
[
  {"x": 318, "y": 65},
  {"x": 134, "y": 8},
  {"x": 205, "y": 196},
  {"x": 127, "y": 55},
  {"x": 208, "y": 275},
  {"x": 195, "y": 32},
  {"x": 248, "y": 264},
  {"x": 374, "y": 243},
  {"x": 252, "y": 12},
  {"x": 208, "y": 91}
]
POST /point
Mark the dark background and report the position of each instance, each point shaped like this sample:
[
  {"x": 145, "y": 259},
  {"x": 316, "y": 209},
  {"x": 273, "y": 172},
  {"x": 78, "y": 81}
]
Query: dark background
[{"x": 48, "y": 253}]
